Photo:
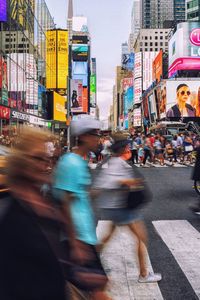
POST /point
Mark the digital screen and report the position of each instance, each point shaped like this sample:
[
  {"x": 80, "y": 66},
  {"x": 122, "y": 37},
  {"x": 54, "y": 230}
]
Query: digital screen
[
  {"x": 80, "y": 72},
  {"x": 3, "y": 10},
  {"x": 79, "y": 52}
]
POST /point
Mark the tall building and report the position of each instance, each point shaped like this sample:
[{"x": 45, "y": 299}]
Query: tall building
[
  {"x": 136, "y": 18},
  {"x": 155, "y": 12},
  {"x": 193, "y": 10},
  {"x": 152, "y": 40},
  {"x": 179, "y": 10},
  {"x": 70, "y": 18}
]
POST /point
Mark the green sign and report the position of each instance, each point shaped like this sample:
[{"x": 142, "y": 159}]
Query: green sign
[{"x": 93, "y": 83}]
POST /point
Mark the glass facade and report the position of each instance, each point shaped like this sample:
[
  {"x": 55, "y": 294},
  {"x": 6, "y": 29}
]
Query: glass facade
[
  {"x": 193, "y": 10},
  {"x": 22, "y": 56}
]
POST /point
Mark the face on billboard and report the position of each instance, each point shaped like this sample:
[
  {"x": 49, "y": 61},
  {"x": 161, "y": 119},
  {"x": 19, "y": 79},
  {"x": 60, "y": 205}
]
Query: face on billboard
[
  {"x": 80, "y": 52},
  {"x": 3, "y": 10},
  {"x": 183, "y": 99}
]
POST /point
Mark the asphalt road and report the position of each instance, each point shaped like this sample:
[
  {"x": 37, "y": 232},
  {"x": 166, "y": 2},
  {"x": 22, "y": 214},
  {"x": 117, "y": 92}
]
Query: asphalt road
[{"x": 172, "y": 197}]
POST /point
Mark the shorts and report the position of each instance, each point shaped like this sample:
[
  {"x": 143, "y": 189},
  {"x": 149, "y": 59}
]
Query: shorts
[
  {"x": 158, "y": 151},
  {"x": 121, "y": 216}
]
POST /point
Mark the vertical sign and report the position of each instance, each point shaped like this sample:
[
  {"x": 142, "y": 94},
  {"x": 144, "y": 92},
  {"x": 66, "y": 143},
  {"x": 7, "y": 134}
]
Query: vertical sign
[
  {"x": 62, "y": 59},
  {"x": 51, "y": 49},
  {"x": 3, "y": 10}
]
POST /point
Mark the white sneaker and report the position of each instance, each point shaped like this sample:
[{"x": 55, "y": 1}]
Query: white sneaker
[{"x": 149, "y": 278}]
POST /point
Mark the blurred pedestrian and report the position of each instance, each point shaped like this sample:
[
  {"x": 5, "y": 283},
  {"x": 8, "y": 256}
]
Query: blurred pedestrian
[
  {"x": 71, "y": 184},
  {"x": 113, "y": 185},
  {"x": 29, "y": 227}
]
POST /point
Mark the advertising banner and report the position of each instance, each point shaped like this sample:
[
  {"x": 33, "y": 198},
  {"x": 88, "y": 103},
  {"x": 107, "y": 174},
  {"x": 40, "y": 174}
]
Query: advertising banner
[
  {"x": 3, "y": 82},
  {"x": 152, "y": 108},
  {"x": 80, "y": 52},
  {"x": 137, "y": 90},
  {"x": 138, "y": 65},
  {"x": 80, "y": 72},
  {"x": 85, "y": 100},
  {"x": 62, "y": 59},
  {"x": 51, "y": 65},
  {"x": 93, "y": 90},
  {"x": 3, "y": 10},
  {"x": 184, "y": 48},
  {"x": 148, "y": 58},
  {"x": 137, "y": 117},
  {"x": 145, "y": 106},
  {"x": 4, "y": 112},
  {"x": 78, "y": 39},
  {"x": 157, "y": 67},
  {"x": 59, "y": 111},
  {"x": 128, "y": 100},
  {"x": 128, "y": 61},
  {"x": 183, "y": 98},
  {"x": 76, "y": 95}
]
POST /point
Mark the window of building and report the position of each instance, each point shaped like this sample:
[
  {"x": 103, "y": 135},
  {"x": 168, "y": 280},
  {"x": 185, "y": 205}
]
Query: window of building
[
  {"x": 161, "y": 43},
  {"x": 156, "y": 49},
  {"x": 141, "y": 43},
  {"x": 146, "y": 49},
  {"x": 161, "y": 37},
  {"x": 156, "y": 43},
  {"x": 151, "y": 44},
  {"x": 156, "y": 37},
  {"x": 151, "y": 49},
  {"x": 146, "y": 38},
  {"x": 146, "y": 44}
]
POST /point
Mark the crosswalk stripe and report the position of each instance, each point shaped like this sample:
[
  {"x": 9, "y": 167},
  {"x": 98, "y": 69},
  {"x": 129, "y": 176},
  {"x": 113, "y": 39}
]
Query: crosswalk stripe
[
  {"x": 183, "y": 240},
  {"x": 120, "y": 258}
]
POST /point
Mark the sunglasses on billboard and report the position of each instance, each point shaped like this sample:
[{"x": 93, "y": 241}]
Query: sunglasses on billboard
[{"x": 185, "y": 93}]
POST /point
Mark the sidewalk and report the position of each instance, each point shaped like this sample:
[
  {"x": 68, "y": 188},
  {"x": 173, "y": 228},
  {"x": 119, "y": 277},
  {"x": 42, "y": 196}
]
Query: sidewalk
[{"x": 120, "y": 262}]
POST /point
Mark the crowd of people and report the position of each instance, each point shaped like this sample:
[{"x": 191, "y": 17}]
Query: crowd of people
[
  {"x": 156, "y": 148},
  {"x": 49, "y": 246}
]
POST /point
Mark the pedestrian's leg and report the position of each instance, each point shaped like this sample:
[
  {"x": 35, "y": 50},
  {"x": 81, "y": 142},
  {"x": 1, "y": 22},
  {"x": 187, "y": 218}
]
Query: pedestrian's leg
[
  {"x": 108, "y": 236},
  {"x": 136, "y": 156},
  {"x": 145, "y": 156},
  {"x": 139, "y": 230},
  {"x": 133, "y": 157}
]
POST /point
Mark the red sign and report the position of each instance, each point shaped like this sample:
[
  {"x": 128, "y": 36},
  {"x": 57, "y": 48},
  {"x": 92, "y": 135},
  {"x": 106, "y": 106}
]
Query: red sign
[
  {"x": 4, "y": 112},
  {"x": 158, "y": 67},
  {"x": 195, "y": 37},
  {"x": 85, "y": 99}
]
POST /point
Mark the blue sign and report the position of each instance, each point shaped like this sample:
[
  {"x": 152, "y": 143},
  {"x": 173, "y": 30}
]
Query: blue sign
[
  {"x": 3, "y": 10},
  {"x": 128, "y": 100}
]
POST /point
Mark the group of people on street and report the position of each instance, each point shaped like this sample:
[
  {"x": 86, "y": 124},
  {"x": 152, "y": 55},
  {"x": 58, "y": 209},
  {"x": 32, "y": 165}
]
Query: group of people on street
[{"x": 49, "y": 247}]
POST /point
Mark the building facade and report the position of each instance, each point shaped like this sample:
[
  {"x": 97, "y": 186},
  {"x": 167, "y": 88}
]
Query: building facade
[
  {"x": 152, "y": 40},
  {"x": 136, "y": 19},
  {"x": 193, "y": 10}
]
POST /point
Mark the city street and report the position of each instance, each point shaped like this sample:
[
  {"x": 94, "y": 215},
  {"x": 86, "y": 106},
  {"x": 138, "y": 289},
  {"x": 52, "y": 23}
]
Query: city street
[{"x": 174, "y": 242}]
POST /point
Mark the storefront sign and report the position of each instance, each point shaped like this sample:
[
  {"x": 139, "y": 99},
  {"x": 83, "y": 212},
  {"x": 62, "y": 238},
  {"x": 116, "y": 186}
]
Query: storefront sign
[
  {"x": 20, "y": 116},
  {"x": 38, "y": 121},
  {"x": 4, "y": 112}
]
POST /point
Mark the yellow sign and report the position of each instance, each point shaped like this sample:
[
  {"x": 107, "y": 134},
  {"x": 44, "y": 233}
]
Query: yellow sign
[
  {"x": 62, "y": 52},
  {"x": 59, "y": 111},
  {"x": 51, "y": 48}
]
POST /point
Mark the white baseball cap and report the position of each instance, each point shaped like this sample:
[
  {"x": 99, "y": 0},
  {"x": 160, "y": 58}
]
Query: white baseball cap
[{"x": 84, "y": 124}]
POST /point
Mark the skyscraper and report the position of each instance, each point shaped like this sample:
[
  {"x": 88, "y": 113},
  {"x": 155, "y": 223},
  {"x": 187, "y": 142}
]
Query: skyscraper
[
  {"x": 135, "y": 19},
  {"x": 179, "y": 10},
  {"x": 193, "y": 10},
  {"x": 156, "y": 12},
  {"x": 70, "y": 18}
]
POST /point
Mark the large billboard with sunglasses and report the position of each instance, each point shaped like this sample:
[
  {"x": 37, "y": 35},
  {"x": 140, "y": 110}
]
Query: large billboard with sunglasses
[{"x": 182, "y": 98}]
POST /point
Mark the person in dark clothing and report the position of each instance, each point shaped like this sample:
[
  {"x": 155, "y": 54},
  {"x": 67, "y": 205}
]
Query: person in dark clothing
[
  {"x": 196, "y": 177},
  {"x": 29, "y": 228}
]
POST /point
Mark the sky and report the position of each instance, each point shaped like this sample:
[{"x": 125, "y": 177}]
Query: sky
[{"x": 109, "y": 23}]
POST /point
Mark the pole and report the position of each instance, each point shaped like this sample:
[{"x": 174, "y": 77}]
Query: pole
[{"x": 68, "y": 114}]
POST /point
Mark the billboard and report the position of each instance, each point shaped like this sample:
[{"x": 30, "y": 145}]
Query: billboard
[
  {"x": 79, "y": 39},
  {"x": 138, "y": 65},
  {"x": 79, "y": 23},
  {"x": 80, "y": 72},
  {"x": 128, "y": 100},
  {"x": 76, "y": 95},
  {"x": 3, "y": 10},
  {"x": 157, "y": 67},
  {"x": 3, "y": 82},
  {"x": 137, "y": 117},
  {"x": 184, "y": 48},
  {"x": 128, "y": 61},
  {"x": 80, "y": 52},
  {"x": 62, "y": 59},
  {"x": 148, "y": 58},
  {"x": 137, "y": 90},
  {"x": 59, "y": 111},
  {"x": 152, "y": 108},
  {"x": 85, "y": 99},
  {"x": 93, "y": 90},
  {"x": 51, "y": 64},
  {"x": 183, "y": 98}
]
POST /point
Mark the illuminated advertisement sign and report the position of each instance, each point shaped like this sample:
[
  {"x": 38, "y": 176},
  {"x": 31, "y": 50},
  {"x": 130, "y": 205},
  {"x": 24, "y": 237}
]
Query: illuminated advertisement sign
[
  {"x": 3, "y": 82},
  {"x": 152, "y": 107},
  {"x": 3, "y": 10},
  {"x": 59, "y": 111},
  {"x": 79, "y": 52},
  {"x": 137, "y": 90},
  {"x": 4, "y": 112},
  {"x": 93, "y": 90},
  {"x": 137, "y": 117},
  {"x": 78, "y": 39},
  {"x": 184, "y": 48},
  {"x": 76, "y": 96},
  {"x": 127, "y": 82},
  {"x": 80, "y": 71},
  {"x": 51, "y": 65},
  {"x": 128, "y": 100},
  {"x": 158, "y": 67},
  {"x": 182, "y": 98},
  {"x": 128, "y": 61},
  {"x": 62, "y": 59},
  {"x": 138, "y": 65},
  {"x": 85, "y": 100},
  {"x": 148, "y": 58}
]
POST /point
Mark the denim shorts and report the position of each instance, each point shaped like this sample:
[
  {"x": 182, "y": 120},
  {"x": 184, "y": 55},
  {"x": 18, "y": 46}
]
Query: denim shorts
[{"x": 121, "y": 216}]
